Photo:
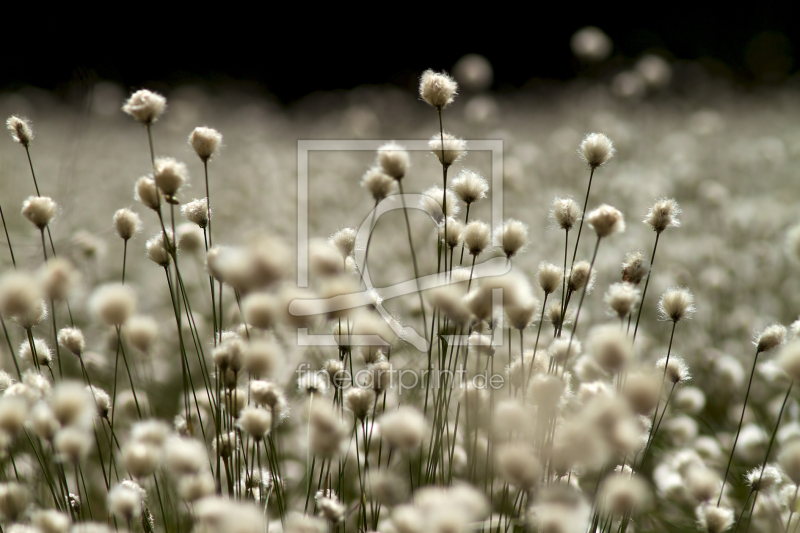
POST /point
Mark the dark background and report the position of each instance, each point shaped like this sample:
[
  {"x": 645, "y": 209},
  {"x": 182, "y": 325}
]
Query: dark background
[{"x": 292, "y": 52}]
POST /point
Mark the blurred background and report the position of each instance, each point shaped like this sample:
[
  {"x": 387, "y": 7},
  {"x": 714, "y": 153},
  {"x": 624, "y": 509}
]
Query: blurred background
[{"x": 291, "y": 52}]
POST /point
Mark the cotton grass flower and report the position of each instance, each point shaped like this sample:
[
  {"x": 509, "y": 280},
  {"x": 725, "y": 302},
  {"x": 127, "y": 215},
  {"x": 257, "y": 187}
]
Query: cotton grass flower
[
  {"x": 125, "y": 500},
  {"x": 156, "y": 249},
  {"x": 255, "y": 421},
  {"x": 196, "y": 212},
  {"x": 20, "y": 294},
  {"x": 33, "y": 317},
  {"x": 564, "y": 212},
  {"x": 635, "y": 267},
  {"x": 127, "y": 223},
  {"x": 205, "y": 142},
  {"x": 713, "y": 519},
  {"x": 113, "y": 304},
  {"x": 770, "y": 337},
  {"x": 676, "y": 304},
  {"x": 477, "y": 237},
  {"x": 596, "y": 149},
  {"x": 403, "y": 429},
  {"x": 438, "y": 89},
  {"x": 761, "y": 481},
  {"x": 581, "y": 275},
  {"x": 20, "y": 129},
  {"x": 621, "y": 298},
  {"x": 170, "y": 175},
  {"x": 344, "y": 240},
  {"x": 663, "y": 214},
  {"x": 549, "y": 276},
  {"x": 469, "y": 186},
  {"x": 431, "y": 203},
  {"x": 511, "y": 237},
  {"x": 44, "y": 355},
  {"x": 40, "y": 210},
  {"x": 454, "y": 148},
  {"x": 145, "y": 106},
  {"x": 677, "y": 371},
  {"x": 393, "y": 160},
  {"x": 145, "y": 191},
  {"x": 606, "y": 221},
  {"x": 378, "y": 183}
]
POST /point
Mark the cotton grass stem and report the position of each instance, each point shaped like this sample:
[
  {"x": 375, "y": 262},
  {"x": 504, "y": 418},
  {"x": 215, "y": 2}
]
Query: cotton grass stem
[
  {"x": 739, "y": 430},
  {"x": 580, "y": 303},
  {"x": 8, "y": 239},
  {"x": 646, "y": 283},
  {"x": 414, "y": 260}
]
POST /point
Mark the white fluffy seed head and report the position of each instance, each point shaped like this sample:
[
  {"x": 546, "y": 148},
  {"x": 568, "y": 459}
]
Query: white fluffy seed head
[
  {"x": 454, "y": 148},
  {"x": 511, "y": 237},
  {"x": 378, "y": 183},
  {"x": 127, "y": 223},
  {"x": 549, "y": 277},
  {"x": 255, "y": 421},
  {"x": 403, "y": 429},
  {"x": 205, "y": 142},
  {"x": 190, "y": 238},
  {"x": 72, "y": 444},
  {"x": 713, "y": 519},
  {"x": 759, "y": 481},
  {"x": 51, "y": 521},
  {"x": 72, "y": 405},
  {"x": 469, "y": 186},
  {"x": 360, "y": 402},
  {"x": 20, "y": 129},
  {"x": 770, "y": 337},
  {"x": 610, "y": 347},
  {"x": 641, "y": 389},
  {"x": 14, "y": 500},
  {"x": 140, "y": 458},
  {"x": 345, "y": 241},
  {"x": 518, "y": 465},
  {"x": 140, "y": 331},
  {"x": 596, "y": 149},
  {"x": 145, "y": 106},
  {"x": 455, "y": 233},
  {"x": 125, "y": 500},
  {"x": 622, "y": 298},
  {"x": 196, "y": 211},
  {"x": 438, "y": 89},
  {"x": 170, "y": 175},
  {"x": 580, "y": 276},
  {"x": 157, "y": 252},
  {"x": 623, "y": 494},
  {"x": 20, "y": 294},
  {"x": 145, "y": 191},
  {"x": 565, "y": 212},
  {"x": 789, "y": 359},
  {"x": 606, "y": 220},
  {"x": 44, "y": 355},
  {"x": 663, "y": 215},
  {"x": 58, "y": 277},
  {"x": 40, "y": 210},
  {"x": 431, "y": 201},
  {"x": 477, "y": 236},
  {"x": 677, "y": 371},
  {"x": 393, "y": 160},
  {"x": 35, "y": 315},
  {"x": 635, "y": 267},
  {"x": 101, "y": 400},
  {"x": 184, "y": 456},
  {"x": 42, "y": 421},
  {"x": 260, "y": 358},
  {"x": 676, "y": 304},
  {"x": 114, "y": 304},
  {"x": 521, "y": 315}
]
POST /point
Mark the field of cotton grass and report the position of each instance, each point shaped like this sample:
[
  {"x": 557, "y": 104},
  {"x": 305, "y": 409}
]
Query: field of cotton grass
[{"x": 164, "y": 370}]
